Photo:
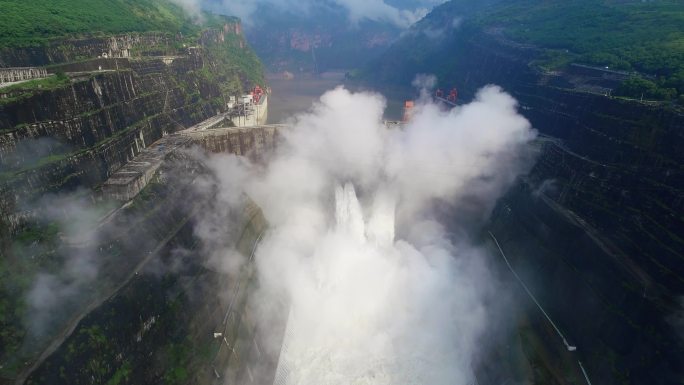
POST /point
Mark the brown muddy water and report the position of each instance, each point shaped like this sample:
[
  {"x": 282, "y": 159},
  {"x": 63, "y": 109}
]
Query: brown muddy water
[{"x": 292, "y": 96}]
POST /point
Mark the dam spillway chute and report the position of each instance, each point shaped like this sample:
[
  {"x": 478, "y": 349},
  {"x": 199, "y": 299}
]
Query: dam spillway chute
[{"x": 323, "y": 358}]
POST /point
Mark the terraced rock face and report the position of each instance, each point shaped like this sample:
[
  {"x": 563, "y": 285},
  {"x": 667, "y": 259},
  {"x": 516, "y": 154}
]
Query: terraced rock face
[
  {"x": 157, "y": 326},
  {"x": 72, "y": 50},
  {"x": 596, "y": 228},
  {"x": 149, "y": 312},
  {"x": 65, "y": 135},
  {"x": 98, "y": 124}
]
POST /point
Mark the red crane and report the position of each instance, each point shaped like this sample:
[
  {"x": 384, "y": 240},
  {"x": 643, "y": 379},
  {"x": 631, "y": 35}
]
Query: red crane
[
  {"x": 451, "y": 98},
  {"x": 453, "y": 95},
  {"x": 408, "y": 110},
  {"x": 257, "y": 92}
]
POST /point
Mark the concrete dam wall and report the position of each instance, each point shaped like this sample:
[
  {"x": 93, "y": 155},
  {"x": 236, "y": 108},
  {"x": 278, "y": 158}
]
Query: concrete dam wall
[
  {"x": 9, "y": 75},
  {"x": 248, "y": 141}
]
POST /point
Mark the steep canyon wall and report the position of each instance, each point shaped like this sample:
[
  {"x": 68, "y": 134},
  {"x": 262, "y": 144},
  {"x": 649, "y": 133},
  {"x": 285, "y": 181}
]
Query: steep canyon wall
[
  {"x": 596, "y": 226},
  {"x": 62, "y": 138}
]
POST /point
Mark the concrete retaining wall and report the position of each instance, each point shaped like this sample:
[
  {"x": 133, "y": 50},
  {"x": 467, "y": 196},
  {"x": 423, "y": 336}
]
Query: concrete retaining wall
[{"x": 10, "y": 75}]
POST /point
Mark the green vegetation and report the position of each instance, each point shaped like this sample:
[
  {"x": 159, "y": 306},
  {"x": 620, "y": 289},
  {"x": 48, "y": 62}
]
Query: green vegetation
[
  {"x": 229, "y": 66},
  {"x": 645, "y": 37},
  {"x": 178, "y": 357},
  {"x": 35, "y": 22},
  {"x": 121, "y": 375},
  {"x": 49, "y": 83},
  {"x": 232, "y": 67},
  {"x": 642, "y": 88},
  {"x": 26, "y": 89},
  {"x": 44, "y": 233},
  {"x": 32, "y": 248}
]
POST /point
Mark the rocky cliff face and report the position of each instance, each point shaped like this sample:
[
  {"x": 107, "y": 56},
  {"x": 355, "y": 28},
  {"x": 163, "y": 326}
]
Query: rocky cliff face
[
  {"x": 158, "y": 327},
  {"x": 109, "y": 112},
  {"x": 149, "y": 313},
  {"x": 65, "y": 51},
  {"x": 595, "y": 228},
  {"x": 65, "y": 140},
  {"x": 320, "y": 40},
  {"x": 596, "y": 225},
  {"x": 110, "y": 116}
]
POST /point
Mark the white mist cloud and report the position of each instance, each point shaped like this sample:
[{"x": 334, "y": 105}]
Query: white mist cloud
[
  {"x": 435, "y": 32},
  {"x": 425, "y": 83},
  {"x": 379, "y": 10},
  {"x": 51, "y": 292},
  {"x": 358, "y": 10},
  {"x": 380, "y": 291},
  {"x": 193, "y": 7}
]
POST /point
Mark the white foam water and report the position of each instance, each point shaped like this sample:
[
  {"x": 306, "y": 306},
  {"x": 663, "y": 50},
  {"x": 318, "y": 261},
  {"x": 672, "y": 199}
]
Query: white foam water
[{"x": 356, "y": 335}]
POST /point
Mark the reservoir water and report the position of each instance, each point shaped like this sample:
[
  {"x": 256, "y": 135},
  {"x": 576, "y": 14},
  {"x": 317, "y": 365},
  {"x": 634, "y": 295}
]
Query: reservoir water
[{"x": 296, "y": 95}]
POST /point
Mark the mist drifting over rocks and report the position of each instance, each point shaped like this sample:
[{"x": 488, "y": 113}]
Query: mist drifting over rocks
[
  {"x": 399, "y": 13},
  {"x": 379, "y": 290},
  {"x": 52, "y": 292}
]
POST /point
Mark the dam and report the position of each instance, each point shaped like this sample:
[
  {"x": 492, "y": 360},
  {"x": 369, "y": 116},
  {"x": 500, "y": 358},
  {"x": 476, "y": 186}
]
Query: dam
[
  {"x": 155, "y": 229},
  {"x": 236, "y": 347},
  {"x": 220, "y": 339}
]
